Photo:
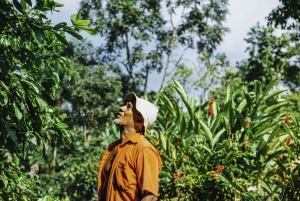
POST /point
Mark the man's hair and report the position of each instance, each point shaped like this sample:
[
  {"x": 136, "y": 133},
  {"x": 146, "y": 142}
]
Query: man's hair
[{"x": 138, "y": 122}]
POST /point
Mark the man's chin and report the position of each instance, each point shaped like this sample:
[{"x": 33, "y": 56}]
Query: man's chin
[{"x": 117, "y": 122}]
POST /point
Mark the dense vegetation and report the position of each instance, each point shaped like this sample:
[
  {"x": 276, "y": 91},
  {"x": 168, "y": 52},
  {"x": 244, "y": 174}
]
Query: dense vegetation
[{"x": 224, "y": 132}]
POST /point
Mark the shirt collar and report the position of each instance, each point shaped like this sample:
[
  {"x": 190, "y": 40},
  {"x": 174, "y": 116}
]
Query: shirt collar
[{"x": 133, "y": 138}]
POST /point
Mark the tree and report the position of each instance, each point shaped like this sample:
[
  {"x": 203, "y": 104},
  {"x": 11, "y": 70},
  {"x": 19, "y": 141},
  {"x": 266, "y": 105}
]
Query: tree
[
  {"x": 30, "y": 50},
  {"x": 90, "y": 98},
  {"x": 270, "y": 57},
  {"x": 143, "y": 36},
  {"x": 286, "y": 15}
]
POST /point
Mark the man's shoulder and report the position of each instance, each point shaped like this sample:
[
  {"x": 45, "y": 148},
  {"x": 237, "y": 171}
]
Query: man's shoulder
[{"x": 144, "y": 143}]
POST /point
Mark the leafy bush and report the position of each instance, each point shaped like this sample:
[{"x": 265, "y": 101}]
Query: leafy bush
[
  {"x": 244, "y": 151},
  {"x": 30, "y": 49}
]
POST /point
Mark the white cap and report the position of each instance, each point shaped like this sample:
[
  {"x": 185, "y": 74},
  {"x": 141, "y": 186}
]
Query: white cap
[{"x": 147, "y": 109}]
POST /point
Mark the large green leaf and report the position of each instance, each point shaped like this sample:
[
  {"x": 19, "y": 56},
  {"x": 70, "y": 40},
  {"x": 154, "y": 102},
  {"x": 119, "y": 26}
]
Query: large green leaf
[
  {"x": 32, "y": 86},
  {"x": 163, "y": 140},
  {"x": 217, "y": 137},
  {"x": 18, "y": 6},
  {"x": 3, "y": 98},
  {"x": 271, "y": 95},
  {"x": 184, "y": 97},
  {"x": 207, "y": 133},
  {"x": 17, "y": 112}
]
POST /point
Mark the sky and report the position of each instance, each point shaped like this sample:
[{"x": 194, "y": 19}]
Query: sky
[{"x": 244, "y": 14}]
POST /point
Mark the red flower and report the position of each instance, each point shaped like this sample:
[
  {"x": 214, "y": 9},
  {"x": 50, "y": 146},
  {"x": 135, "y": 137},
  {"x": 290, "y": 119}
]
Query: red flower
[
  {"x": 177, "y": 142},
  {"x": 211, "y": 110},
  {"x": 247, "y": 123},
  {"x": 213, "y": 175},
  {"x": 245, "y": 143},
  {"x": 220, "y": 169},
  {"x": 177, "y": 175},
  {"x": 288, "y": 142},
  {"x": 287, "y": 119}
]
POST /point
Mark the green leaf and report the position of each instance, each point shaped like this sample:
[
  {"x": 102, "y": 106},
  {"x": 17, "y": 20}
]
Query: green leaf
[
  {"x": 270, "y": 85},
  {"x": 12, "y": 134},
  {"x": 184, "y": 97},
  {"x": 78, "y": 16},
  {"x": 167, "y": 103},
  {"x": 163, "y": 140},
  {"x": 228, "y": 94},
  {"x": 257, "y": 90},
  {"x": 4, "y": 86},
  {"x": 277, "y": 106},
  {"x": 17, "y": 112},
  {"x": 207, "y": 132},
  {"x": 58, "y": 5},
  {"x": 3, "y": 98},
  {"x": 18, "y": 6},
  {"x": 23, "y": 4},
  {"x": 86, "y": 29},
  {"x": 31, "y": 85},
  {"x": 4, "y": 180},
  {"x": 74, "y": 34},
  {"x": 183, "y": 124},
  {"x": 229, "y": 157},
  {"x": 56, "y": 78},
  {"x": 172, "y": 151},
  {"x": 240, "y": 118},
  {"x": 61, "y": 39},
  {"x": 38, "y": 36},
  {"x": 4, "y": 42},
  {"x": 242, "y": 105},
  {"x": 60, "y": 25},
  {"x": 82, "y": 22},
  {"x": 274, "y": 93},
  {"x": 217, "y": 136},
  {"x": 15, "y": 44},
  {"x": 41, "y": 103},
  {"x": 28, "y": 2},
  {"x": 62, "y": 125},
  {"x": 73, "y": 18},
  {"x": 216, "y": 122}
]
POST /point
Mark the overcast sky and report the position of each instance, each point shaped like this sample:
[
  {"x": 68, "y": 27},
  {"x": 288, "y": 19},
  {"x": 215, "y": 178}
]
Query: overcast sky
[{"x": 243, "y": 15}]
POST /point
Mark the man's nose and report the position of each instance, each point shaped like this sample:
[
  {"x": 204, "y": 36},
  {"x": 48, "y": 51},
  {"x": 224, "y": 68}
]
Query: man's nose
[{"x": 122, "y": 108}]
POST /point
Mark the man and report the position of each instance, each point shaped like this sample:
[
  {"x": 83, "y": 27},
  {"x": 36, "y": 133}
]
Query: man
[{"x": 130, "y": 166}]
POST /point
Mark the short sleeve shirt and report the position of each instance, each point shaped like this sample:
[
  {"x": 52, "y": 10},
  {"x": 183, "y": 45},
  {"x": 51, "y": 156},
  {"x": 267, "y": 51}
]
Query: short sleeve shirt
[{"x": 135, "y": 169}]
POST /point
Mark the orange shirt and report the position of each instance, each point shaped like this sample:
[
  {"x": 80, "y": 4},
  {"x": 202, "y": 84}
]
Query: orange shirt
[{"x": 135, "y": 169}]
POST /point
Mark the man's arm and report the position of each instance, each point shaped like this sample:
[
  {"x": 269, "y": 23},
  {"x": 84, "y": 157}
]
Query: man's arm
[{"x": 148, "y": 167}]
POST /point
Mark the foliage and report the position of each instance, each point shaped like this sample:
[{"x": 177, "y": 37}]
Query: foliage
[
  {"x": 287, "y": 15},
  {"x": 30, "y": 50},
  {"x": 76, "y": 166},
  {"x": 242, "y": 151},
  {"x": 140, "y": 34},
  {"x": 89, "y": 99},
  {"x": 270, "y": 57}
]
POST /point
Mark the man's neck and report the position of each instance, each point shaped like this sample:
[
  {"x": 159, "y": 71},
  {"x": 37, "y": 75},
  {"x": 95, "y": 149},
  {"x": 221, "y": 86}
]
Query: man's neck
[{"x": 125, "y": 134}]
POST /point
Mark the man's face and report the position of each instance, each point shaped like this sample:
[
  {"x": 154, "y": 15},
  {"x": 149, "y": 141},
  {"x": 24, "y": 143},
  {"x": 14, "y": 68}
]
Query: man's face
[{"x": 125, "y": 115}]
